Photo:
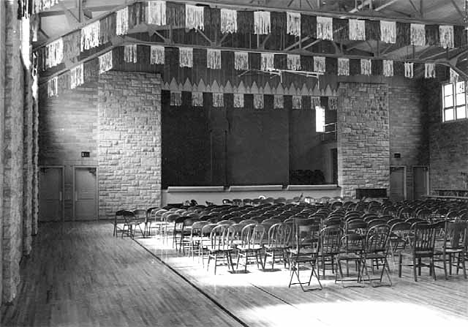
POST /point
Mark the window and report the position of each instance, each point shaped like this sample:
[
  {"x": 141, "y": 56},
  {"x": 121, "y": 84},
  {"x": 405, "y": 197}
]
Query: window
[{"x": 454, "y": 102}]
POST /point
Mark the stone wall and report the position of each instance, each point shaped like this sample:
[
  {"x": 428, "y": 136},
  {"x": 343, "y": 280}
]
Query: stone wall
[
  {"x": 363, "y": 137},
  {"x": 129, "y": 151},
  {"x": 2, "y": 134}
]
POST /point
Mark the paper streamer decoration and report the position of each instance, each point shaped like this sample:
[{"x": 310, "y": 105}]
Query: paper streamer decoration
[
  {"x": 105, "y": 62},
  {"x": 418, "y": 34},
  {"x": 157, "y": 55},
  {"x": 325, "y": 28},
  {"x": 293, "y": 62},
  {"x": 90, "y": 36},
  {"x": 357, "y": 30},
  {"x": 156, "y": 12},
  {"x": 241, "y": 60},
  {"x": 343, "y": 66},
  {"x": 268, "y": 61},
  {"x": 213, "y": 59},
  {"x": 366, "y": 67},
  {"x": 186, "y": 57},
  {"x": 54, "y": 53},
  {"x": 388, "y": 68},
  {"x": 409, "y": 70},
  {"x": 293, "y": 23},
  {"x": 388, "y": 31},
  {"x": 218, "y": 100},
  {"x": 262, "y": 24},
  {"x": 319, "y": 64},
  {"x": 130, "y": 53},
  {"x": 194, "y": 17},
  {"x": 228, "y": 21},
  {"x": 197, "y": 99},
  {"x": 176, "y": 99},
  {"x": 258, "y": 101},
  {"x": 446, "y": 36},
  {"x": 297, "y": 102},
  {"x": 121, "y": 21},
  {"x": 429, "y": 70},
  {"x": 52, "y": 87},
  {"x": 278, "y": 101},
  {"x": 76, "y": 76},
  {"x": 238, "y": 100}
]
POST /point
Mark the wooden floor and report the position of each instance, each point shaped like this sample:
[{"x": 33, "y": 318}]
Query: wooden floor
[{"x": 79, "y": 275}]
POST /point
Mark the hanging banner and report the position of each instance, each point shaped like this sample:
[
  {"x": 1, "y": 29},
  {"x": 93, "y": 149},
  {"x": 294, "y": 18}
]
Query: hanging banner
[
  {"x": 429, "y": 70},
  {"x": 54, "y": 53},
  {"x": 388, "y": 68},
  {"x": 409, "y": 70},
  {"x": 268, "y": 61},
  {"x": 262, "y": 24},
  {"x": 186, "y": 57},
  {"x": 293, "y": 62},
  {"x": 388, "y": 31},
  {"x": 76, "y": 76},
  {"x": 366, "y": 67},
  {"x": 157, "y": 55},
  {"x": 319, "y": 64},
  {"x": 213, "y": 59},
  {"x": 343, "y": 66},
  {"x": 293, "y": 23},
  {"x": 218, "y": 100},
  {"x": 156, "y": 12},
  {"x": 297, "y": 102},
  {"x": 446, "y": 36},
  {"x": 278, "y": 101},
  {"x": 197, "y": 99},
  {"x": 121, "y": 21},
  {"x": 357, "y": 30},
  {"x": 52, "y": 87},
  {"x": 176, "y": 99},
  {"x": 105, "y": 62},
  {"x": 418, "y": 34},
  {"x": 241, "y": 60},
  {"x": 90, "y": 36},
  {"x": 325, "y": 28},
  {"x": 194, "y": 17},
  {"x": 258, "y": 101},
  {"x": 228, "y": 21},
  {"x": 238, "y": 100}
]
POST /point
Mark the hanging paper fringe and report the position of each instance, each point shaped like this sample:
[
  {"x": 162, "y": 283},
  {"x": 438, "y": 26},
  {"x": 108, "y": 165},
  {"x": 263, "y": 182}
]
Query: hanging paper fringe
[
  {"x": 409, "y": 69},
  {"x": 52, "y": 87},
  {"x": 297, "y": 102},
  {"x": 446, "y": 36},
  {"x": 418, "y": 34},
  {"x": 42, "y": 5},
  {"x": 176, "y": 99},
  {"x": 343, "y": 66},
  {"x": 90, "y": 36},
  {"x": 238, "y": 100},
  {"x": 258, "y": 101},
  {"x": 241, "y": 60},
  {"x": 105, "y": 62},
  {"x": 156, "y": 12},
  {"x": 54, "y": 53},
  {"x": 130, "y": 53},
  {"x": 268, "y": 61},
  {"x": 319, "y": 64},
  {"x": 278, "y": 101},
  {"x": 228, "y": 21},
  {"x": 388, "y": 68},
  {"x": 366, "y": 67},
  {"x": 454, "y": 76},
  {"x": 76, "y": 76},
  {"x": 293, "y": 23},
  {"x": 429, "y": 70},
  {"x": 388, "y": 31},
  {"x": 121, "y": 21},
  {"x": 194, "y": 17},
  {"x": 293, "y": 62},
  {"x": 262, "y": 22},
  {"x": 213, "y": 59},
  {"x": 197, "y": 99},
  {"x": 157, "y": 55},
  {"x": 357, "y": 30},
  {"x": 218, "y": 100},
  {"x": 332, "y": 103},
  {"x": 325, "y": 28},
  {"x": 186, "y": 57},
  {"x": 315, "y": 102}
]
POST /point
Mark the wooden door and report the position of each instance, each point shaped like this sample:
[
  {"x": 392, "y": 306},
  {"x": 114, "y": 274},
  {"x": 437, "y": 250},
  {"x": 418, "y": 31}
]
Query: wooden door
[
  {"x": 397, "y": 183},
  {"x": 420, "y": 182},
  {"x": 85, "y": 193},
  {"x": 51, "y": 194}
]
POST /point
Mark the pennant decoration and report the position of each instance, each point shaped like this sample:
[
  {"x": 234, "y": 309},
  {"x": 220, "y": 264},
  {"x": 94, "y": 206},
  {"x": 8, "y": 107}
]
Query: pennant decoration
[
  {"x": 213, "y": 59},
  {"x": 228, "y": 21},
  {"x": 297, "y": 102},
  {"x": 278, "y": 101},
  {"x": 241, "y": 60},
  {"x": 90, "y": 36},
  {"x": 293, "y": 23},
  {"x": 258, "y": 101},
  {"x": 186, "y": 57},
  {"x": 268, "y": 61},
  {"x": 157, "y": 55},
  {"x": 121, "y": 21},
  {"x": 454, "y": 76},
  {"x": 197, "y": 99},
  {"x": 388, "y": 31},
  {"x": 332, "y": 103},
  {"x": 218, "y": 100},
  {"x": 366, "y": 67},
  {"x": 319, "y": 64},
  {"x": 52, "y": 87},
  {"x": 76, "y": 76},
  {"x": 388, "y": 68},
  {"x": 130, "y": 53},
  {"x": 105, "y": 62},
  {"x": 54, "y": 53},
  {"x": 357, "y": 30},
  {"x": 293, "y": 62},
  {"x": 315, "y": 102},
  {"x": 238, "y": 100},
  {"x": 194, "y": 17},
  {"x": 325, "y": 28},
  {"x": 429, "y": 70},
  {"x": 262, "y": 24},
  {"x": 176, "y": 99},
  {"x": 343, "y": 66},
  {"x": 409, "y": 70},
  {"x": 156, "y": 12},
  {"x": 418, "y": 34},
  {"x": 446, "y": 36}
]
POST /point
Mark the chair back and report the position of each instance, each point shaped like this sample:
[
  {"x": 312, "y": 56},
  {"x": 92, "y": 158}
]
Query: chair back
[
  {"x": 330, "y": 240},
  {"x": 279, "y": 235},
  {"x": 424, "y": 237},
  {"x": 377, "y": 238},
  {"x": 252, "y": 236},
  {"x": 220, "y": 238}
]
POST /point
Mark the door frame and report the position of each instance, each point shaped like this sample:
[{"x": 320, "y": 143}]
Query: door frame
[
  {"x": 405, "y": 195},
  {"x": 96, "y": 187},
  {"x": 427, "y": 178},
  {"x": 62, "y": 218}
]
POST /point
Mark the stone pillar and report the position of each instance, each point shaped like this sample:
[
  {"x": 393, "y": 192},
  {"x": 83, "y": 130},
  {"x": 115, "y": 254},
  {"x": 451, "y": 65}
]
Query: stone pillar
[
  {"x": 363, "y": 137},
  {"x": 2, "y": 133}
]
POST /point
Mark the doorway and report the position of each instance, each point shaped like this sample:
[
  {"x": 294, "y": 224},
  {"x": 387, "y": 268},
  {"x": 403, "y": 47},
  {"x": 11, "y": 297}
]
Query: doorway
[
  {"x": 85, "y": 193},
  {"x": 51, "y": 193},
  {"x": 420, "y": 181},
  {"x": 397, "y": 183}
]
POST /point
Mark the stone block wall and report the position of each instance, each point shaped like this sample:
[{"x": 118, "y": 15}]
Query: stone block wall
[
  {"x": 129, "y": 147},
  {"x": 363, "y": 137},
  {"x": 2, "y": 134}
]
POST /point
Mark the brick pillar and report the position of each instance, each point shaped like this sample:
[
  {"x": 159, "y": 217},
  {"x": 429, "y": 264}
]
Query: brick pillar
[
  {"x": 12, "y": 210},
  {"x": 363, "y": 137},
  {"x": 2, "y": 133},
  {"x": 129, "y": 146}
]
